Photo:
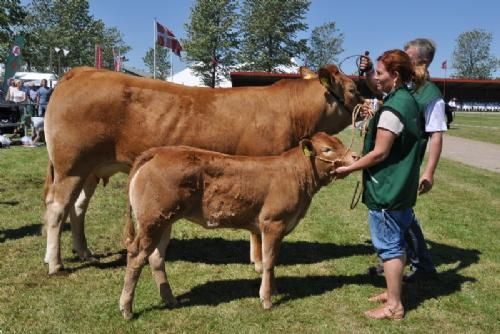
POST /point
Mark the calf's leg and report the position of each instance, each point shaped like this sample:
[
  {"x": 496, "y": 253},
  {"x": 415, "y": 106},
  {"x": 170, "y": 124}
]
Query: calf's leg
[
  {"x": 135, "y": 263},
  {"x": 157, "y": 264},
  {"x": 272, "y": 235}
]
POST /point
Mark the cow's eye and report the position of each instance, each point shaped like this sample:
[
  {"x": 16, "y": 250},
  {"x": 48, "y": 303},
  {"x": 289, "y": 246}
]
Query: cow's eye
[{"x": 326, "y": 149}]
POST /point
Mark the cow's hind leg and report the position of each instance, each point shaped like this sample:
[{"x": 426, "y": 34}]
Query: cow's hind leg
[
  {"x": 272, "y": 235},
  {"x": 60, "y": 197},
  {"x": 157, "y": 264},
  {"x": 256, "y": 251},
  {"x": 77, "y": 218}
]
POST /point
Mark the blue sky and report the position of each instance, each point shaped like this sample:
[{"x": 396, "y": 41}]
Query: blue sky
[{"x": 375, "y": 26}]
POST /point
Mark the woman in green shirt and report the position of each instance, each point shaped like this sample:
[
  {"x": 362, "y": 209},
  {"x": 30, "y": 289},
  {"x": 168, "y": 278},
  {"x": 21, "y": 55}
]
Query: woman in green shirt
[{"x": 390, "y": 167}]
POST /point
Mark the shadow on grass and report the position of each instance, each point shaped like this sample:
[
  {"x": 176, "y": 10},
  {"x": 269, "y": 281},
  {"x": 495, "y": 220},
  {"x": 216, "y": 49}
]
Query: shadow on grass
[
  {"x": 222, "y": 251},
  {"x": 25, "y": 231},
  {"x": 9, "y": 203},
  {"x": 21, "y": 232}
]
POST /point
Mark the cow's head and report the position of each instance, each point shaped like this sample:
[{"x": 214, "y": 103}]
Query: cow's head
[
  {"x": 327, "y": 153},
  {"x": 341, "y": 87}
]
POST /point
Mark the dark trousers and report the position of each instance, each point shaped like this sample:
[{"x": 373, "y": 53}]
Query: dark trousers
[{"x": 417, "y": 251}]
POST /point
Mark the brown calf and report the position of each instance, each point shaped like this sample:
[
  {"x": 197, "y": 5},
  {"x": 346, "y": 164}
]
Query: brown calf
[{"x": 265, "y": 195}]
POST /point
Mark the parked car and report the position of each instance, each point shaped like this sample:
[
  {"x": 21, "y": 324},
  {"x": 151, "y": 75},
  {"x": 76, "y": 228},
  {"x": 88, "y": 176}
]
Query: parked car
[{"x": 10, "y": 117}]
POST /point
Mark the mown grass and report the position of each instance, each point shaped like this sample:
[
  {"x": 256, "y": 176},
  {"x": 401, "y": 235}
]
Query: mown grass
[
  {"x": 321, "y": 276},
  {"x": 477, "y": 126}
]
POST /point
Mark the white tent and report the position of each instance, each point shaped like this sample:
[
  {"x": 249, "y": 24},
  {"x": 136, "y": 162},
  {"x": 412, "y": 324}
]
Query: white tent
[
  {"x": 188, "y": 78},
  {"x": 36, "y": 78}
]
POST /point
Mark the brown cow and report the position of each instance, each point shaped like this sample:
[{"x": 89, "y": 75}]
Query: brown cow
[
  {"x": 99, "y": 121},
  {"x": 265, "y": 195}
]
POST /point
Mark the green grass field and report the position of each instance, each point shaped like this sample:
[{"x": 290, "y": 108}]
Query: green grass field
[
  {"x": 321, "y": 277},
  {"x": 477, "y": 126}
]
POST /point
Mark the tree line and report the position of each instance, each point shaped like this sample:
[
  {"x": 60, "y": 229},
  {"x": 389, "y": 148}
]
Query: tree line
[{"x": 221, "y": 36}]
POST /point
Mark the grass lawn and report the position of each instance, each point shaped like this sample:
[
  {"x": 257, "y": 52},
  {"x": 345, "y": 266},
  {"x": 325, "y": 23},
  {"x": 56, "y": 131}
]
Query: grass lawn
[
  {"x": 477, "y": 126},
  {"x": 321, "y": 277}
]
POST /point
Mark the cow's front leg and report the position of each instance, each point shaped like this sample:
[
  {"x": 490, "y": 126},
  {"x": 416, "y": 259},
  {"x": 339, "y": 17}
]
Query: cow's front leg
[
  {"x": 77, "y": 219},
  {"x": 273, "y": 233},
  {"x": 157, "y": 264},
  {"x": 256, "y": 251}
]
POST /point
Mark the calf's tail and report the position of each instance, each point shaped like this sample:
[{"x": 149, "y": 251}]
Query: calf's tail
[{"x": 129, "y": 231}]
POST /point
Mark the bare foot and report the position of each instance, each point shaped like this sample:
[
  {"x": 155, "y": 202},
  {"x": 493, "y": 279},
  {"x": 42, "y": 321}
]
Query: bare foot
[
  {"x": 386, "y": 312},
  {"x": 379, "y": 298}
]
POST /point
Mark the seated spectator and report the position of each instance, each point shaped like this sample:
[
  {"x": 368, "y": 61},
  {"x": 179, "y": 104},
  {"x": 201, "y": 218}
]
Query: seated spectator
[{"x": 38, "y": 135}]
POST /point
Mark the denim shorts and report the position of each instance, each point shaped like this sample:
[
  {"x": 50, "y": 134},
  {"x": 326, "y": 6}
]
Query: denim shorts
[{"x": 387, "y": 229}]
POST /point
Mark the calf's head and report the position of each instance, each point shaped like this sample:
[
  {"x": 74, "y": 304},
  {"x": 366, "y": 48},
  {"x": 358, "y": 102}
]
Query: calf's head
[{"x": 327, "y": 153}]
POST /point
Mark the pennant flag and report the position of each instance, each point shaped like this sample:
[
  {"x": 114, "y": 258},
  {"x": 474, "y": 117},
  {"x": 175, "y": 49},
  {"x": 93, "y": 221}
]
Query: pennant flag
[
  {"x": 444, "y": 65},
  {"x": 98, "y": 57},
  {"x": 167, "y": 39},
  {"x": 117, "y": 60},
  {"x": 13, "y": 62}
]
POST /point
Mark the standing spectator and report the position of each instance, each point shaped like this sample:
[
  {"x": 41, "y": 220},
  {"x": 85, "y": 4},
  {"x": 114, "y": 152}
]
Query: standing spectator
[
  {"x": 10, "y": 91},
  {"x": 43, "y": 96},
  {"x": 18, "y": 95},
  {"x": 32, "y": 93},
  {"x": 390, "y": 167}
]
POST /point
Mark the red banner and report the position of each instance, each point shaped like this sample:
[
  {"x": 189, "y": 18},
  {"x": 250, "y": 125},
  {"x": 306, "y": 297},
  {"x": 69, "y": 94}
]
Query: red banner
[{"x": 98, "y": 57}]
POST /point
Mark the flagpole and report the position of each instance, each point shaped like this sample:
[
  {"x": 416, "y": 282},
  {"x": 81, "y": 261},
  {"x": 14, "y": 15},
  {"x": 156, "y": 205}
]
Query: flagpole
[{"x": 154, "y": 48}]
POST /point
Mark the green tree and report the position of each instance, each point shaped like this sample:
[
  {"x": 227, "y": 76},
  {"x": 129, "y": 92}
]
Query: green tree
[
  {"x": 269, "y": 30},
  {"x": 325, "y": 45},
  {"x": 211, "y": 40},
  {"x": 472, "y": 57},
  {"x": 11, "y": 16},
  {"x": 162, "y": 62},
  {"x": 67, "y": 24}
]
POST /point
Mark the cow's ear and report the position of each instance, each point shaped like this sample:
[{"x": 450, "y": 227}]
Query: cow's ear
[
  {"x": 327, "y": 76},
  {"x": 307, "y": 147},
  {"x": 307, "y": 73}
]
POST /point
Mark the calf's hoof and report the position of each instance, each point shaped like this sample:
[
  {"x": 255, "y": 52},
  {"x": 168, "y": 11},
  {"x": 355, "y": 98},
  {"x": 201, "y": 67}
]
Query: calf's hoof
[{"x": 266, "y": 304}]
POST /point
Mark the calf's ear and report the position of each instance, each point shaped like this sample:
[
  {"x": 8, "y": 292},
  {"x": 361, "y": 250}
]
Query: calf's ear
[{"x": 307, "y": 147}]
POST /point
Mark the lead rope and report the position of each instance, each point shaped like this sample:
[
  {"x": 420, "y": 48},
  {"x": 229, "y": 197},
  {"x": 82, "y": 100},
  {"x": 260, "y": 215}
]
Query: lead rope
[{"x": 356, "y": 196}]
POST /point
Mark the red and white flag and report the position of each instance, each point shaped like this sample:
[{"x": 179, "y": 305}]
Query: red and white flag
[
  {"x": 98, "y": 57},
  {"x": 444, "y": 65},
  {"x": 166, "y": 38}
]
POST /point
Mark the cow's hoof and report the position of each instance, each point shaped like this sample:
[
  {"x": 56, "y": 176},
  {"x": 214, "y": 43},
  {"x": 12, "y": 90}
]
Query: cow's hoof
[
  {"x": 127, "y": 313},
  {"x": 57, "y": 269},
  {"x": 258, "y": 267}
]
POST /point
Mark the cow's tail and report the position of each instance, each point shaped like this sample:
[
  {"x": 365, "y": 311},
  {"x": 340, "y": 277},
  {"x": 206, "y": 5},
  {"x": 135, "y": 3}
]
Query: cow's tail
[{"x": 49, "y": 180}]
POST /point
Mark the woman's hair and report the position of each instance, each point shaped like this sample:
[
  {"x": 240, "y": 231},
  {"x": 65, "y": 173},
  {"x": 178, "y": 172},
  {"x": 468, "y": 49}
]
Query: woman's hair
[{"x": 398, "y": 61}]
